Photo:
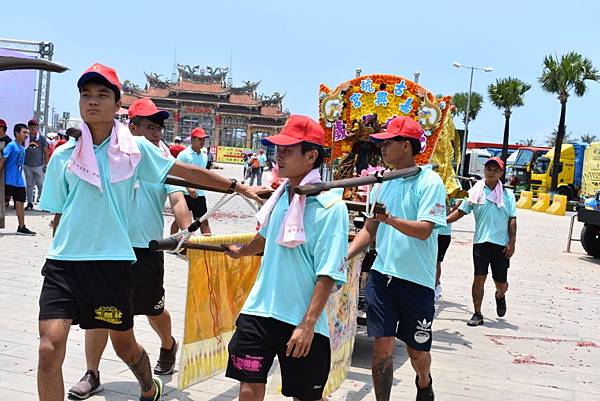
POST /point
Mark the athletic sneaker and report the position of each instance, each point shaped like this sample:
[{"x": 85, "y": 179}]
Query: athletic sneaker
[
  {"x": 424, "y": 394},
  {"x": 29, "y": 206},
  {"x": 166, "y": 361},
  {"x": 159, "y": 391},
  {"x": 87, "y": 386},
  {"x": 438, "y": 292},
  {"x": 25, "y": 231},
  {"x": 500, "y": 306},
  {"x": 476, "y": 320}
]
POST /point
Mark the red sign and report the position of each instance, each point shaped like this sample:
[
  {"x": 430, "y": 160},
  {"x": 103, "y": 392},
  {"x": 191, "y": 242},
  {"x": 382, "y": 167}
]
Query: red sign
[{"x": 196, "y": 110}]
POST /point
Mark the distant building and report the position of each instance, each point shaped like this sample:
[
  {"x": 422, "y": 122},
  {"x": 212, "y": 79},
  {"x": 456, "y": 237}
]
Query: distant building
[{"x": 231, "y": 116}]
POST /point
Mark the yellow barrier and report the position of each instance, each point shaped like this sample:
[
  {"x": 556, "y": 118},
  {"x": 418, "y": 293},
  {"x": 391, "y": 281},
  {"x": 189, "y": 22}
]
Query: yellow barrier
[
  {"x": 542, "y": 203},
  {"x": 559, "y": 205},
  {"x": 526, "y": 200}
]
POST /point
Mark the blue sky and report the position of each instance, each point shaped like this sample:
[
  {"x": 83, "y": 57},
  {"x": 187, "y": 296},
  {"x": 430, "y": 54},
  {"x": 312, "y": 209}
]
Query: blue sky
[{"x": 294, "y": 46}]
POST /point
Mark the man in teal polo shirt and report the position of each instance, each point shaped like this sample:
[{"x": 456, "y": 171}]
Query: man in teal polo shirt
[
  {"x": 303, "y": 259},
  {"x": 88, "y": 275},
  {"x": 495, "y": 212},
  {"x": 146, "y": 223},
  {"x": 195, "y": 199},
  {"x": 400, "y": 289}
]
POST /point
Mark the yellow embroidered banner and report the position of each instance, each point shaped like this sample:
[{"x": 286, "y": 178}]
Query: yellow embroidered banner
[{"x": 217, "y": 288}]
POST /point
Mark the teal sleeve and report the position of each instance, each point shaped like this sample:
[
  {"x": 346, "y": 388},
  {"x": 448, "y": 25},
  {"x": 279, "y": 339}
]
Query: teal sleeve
[
  {"x": 466, "y": 207},
  {"x": 56, "y": 190},
  {"x": 153, "y": 166},
  {"x": 331, "y": 248},
  {"x": 172, "y": 189},
  {"x": 432, "y": 204},
  {"x": 512, "y": 207},
  {"x": 182, "y": 157},
  {"x": 263, "y": 231}
]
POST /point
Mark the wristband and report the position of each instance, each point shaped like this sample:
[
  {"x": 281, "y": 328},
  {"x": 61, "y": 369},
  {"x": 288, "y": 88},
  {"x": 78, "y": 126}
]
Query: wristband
[{"x": 232, "y": 186}]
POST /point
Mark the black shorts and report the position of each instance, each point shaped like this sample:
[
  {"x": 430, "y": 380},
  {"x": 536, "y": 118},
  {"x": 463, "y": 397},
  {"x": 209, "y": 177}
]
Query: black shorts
[
  {"x": 196, "y": 205},
  {"x": 254, "y": 345},
  {"x": 96, "y": 294},
  {"x": 399, "y": 308},
  {"x": 148, "y": 280},
  {"x": 443, "y": 244},
  {"x": 17, "y": 193},
  {"x": 488, "y": 254}
]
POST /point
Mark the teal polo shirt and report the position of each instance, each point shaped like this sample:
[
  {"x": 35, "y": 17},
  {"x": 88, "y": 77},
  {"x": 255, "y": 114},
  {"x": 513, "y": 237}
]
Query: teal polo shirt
[
  {"x": 188, "y": 155},
  {"x": 287, "y": 276},
  {"x": 418, "y": 198},
  {"x": 94, "y": 224},
  {"x": 491, "y": 222},
  {"x": 146, "y": 220}
]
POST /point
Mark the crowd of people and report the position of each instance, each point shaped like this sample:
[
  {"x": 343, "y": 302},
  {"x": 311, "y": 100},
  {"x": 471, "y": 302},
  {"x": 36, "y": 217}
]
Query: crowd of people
[{"x": 106, "y": 188}]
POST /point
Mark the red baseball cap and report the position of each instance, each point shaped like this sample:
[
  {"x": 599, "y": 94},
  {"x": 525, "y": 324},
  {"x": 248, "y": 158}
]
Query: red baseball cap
[
  {"x": 297, "y": 129},
  {"x": 402, "y": 126},
  {"x": 3, "y": 123},
  {"x": 145, "y": 107},
  {"x": 108, "y": 74},
  {"x": 198, "y": 133},
  {"x": 496, "y": 160},
  {"x": 33, "y": 121}
]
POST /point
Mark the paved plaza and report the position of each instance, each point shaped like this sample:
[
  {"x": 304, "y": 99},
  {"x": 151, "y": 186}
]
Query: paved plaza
[{"x": 546, "y": 348}]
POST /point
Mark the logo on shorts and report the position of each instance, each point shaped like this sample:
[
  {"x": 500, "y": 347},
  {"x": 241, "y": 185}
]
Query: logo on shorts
[
  {"x": 423, "y": 331},
  {"x": 248, "y": 364},
  {"x": 109, "y": 314},
  {"x": 160, "y": 304}
]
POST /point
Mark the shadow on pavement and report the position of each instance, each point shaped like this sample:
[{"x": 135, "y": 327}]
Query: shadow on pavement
[{"x": 120, "y": 391}]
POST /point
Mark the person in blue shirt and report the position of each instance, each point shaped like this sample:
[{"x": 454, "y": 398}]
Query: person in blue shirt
[
  {"x": 88, "y": 275},
  {"x": 14, "y": 184},
  {"x": 146, "y": 223},
  {"x": 303, "y": 259},
  {"x": 494, "y": 208},
  {"x": 400, "y": 289},
  {"x": 195, "y": 199}
]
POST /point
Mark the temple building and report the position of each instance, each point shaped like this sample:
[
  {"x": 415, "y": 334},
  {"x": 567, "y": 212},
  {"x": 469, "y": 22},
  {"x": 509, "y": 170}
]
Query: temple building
[{"x": 232, "y": 116}]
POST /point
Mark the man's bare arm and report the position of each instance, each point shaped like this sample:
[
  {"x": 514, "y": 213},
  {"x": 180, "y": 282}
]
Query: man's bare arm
[
  {"x": 299, "y": 344},
  {"x": 363, "y": 238},
  {"x": 57, "y": 217},
  {"x": 254, "y": 247},
  {"x": 180, "y": 210},
  {"x": 202, "y": 176},
  {"x": 455, "y": 216}
]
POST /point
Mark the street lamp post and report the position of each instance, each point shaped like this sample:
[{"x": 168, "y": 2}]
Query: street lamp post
[{"x": 463, "y": 152}]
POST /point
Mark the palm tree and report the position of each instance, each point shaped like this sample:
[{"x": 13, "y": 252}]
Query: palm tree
[
  {"x": 460, "y": 105},
  {"x": 527, "y": 142},
  {"x": 561, "y": 77},
  {"x": 589, "y": 138},
  {"x": 506, "y": 94}
]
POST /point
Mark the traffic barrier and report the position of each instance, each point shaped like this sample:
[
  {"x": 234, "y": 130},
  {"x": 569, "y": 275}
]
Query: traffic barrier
[
  {"x": 543, "y": 202},
  {"x": 526, "y": 200},
  {"x": 559, "y": 205}
]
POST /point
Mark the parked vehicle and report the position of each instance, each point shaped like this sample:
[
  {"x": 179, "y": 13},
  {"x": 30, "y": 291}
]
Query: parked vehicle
[
  {"x": 570, "y": 171},
  {"x": 518, "y": 170},
  {"x": 589, "y": 212}
]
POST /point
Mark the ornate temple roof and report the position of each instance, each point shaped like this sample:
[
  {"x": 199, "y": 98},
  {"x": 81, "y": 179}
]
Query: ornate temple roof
[{"x": 209, "y": 85}]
